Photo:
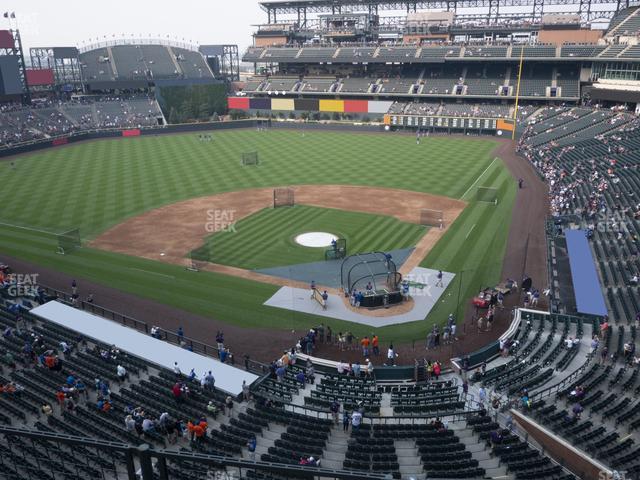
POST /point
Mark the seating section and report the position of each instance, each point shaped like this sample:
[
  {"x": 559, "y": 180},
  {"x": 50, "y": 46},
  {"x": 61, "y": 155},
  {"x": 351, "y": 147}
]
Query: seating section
[
  {"x": 533, "y": 51},
  {"x": 351, "y": 393},
  {"x": 485, "y": 51},
  {"x": 355, "y": 85},
  {"x": 625, "y": 23},
  {"x": 96, "y": 65},
  {"x": 581, "y": 50},
  {"x": 281, "y": 84},
  {"x": 591, "y": 158},
  {"x": 543, "y": 347},
  {"x": 484, "y": 80},
  {"x": 21, "y": 124},
  {"x": 441, "y": 452},
  {"x": 192, "y": 63},
  {"x": 319, "y": 84},
  {"x": 147, "y": 62}
]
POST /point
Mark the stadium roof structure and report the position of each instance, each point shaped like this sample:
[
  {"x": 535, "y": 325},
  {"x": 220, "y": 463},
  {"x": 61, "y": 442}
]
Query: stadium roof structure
[{"x": 586, "y": 8}]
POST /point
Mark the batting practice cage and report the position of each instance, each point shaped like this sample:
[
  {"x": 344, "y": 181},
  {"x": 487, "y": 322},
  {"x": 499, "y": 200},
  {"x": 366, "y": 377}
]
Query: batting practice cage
[
  {"x": 375, "y": 275},
  {"x": 250, "y": 158},
  {"x": 283, "y": 197},
  {"x": 337, "y": 251},
  {"x": 199, "y": 256},
  {"x": 487, "y": 195},
  {"x": 68, "y": 241},
  {"x": 432, "y": 218}
]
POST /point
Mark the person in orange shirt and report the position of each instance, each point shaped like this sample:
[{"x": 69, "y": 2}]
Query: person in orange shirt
[
  {"x": 374, "y": 344},
  {"x": 191, "y": 430},
  {"x": 199, "y": 432},
  {"x": 365, "y": 342},
  {"x": 50, "y": 361},
  {"x": 60, "y": 397}
]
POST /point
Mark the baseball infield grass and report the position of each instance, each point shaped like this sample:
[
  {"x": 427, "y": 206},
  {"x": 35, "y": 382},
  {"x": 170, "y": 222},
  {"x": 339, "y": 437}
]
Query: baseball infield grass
[
  {"x": 266, "y": 238},
  {"x": 98, "y": 184}
]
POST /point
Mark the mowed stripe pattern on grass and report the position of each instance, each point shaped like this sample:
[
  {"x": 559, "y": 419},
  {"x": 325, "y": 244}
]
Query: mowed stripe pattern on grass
[
  {"x": 98, "y": 184},
  {"x": 475, "y": 245},
  {"x": 266, "y": 238}
]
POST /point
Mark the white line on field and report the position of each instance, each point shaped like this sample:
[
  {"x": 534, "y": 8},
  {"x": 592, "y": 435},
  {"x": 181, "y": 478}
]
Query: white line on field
[
  {"x": 469, "y": 233},
  {"x": 27, "y": 228},
  {"x": 153, "y": 273},
  {"x": 478, "y": 179}
]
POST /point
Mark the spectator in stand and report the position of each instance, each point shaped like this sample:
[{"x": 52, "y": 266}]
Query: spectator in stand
[
  {"x": 121, "y": 372},
  {"x": 177, "y": 392},
  {"x": 335, "y": 410},
  {"x": 345, "y": 421},
  {"x": 46, "y": 409},
  {"x": 129, "y": 423},
  {"x": 356, "y": 420},
  {"x": 251, "y": 447}
]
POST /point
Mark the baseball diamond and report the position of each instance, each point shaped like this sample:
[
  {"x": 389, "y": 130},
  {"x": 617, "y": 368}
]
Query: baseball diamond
[{"x": 385, "y": 241}]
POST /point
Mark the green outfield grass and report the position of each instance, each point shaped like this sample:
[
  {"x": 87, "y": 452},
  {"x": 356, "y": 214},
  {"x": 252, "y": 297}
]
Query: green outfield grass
[
  {"x": 266, "y": 238},
  {"x": 99, "y": 184}
]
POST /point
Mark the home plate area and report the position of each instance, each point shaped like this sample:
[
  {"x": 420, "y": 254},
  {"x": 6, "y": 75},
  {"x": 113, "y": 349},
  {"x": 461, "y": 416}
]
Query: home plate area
[{"x": 422, "y": 289}]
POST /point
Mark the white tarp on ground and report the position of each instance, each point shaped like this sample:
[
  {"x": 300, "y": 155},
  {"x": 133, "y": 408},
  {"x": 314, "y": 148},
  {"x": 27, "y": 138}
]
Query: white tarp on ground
[
  {"x": 425, "y": 296},
  {"x": 159, "y": 352}
]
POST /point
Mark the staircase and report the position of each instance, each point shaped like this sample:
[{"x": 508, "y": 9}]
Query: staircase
[
  {"x": 67, "y": 116},
  {"x": 112, "y": 62},
  {"x": 174, "y": 60},
  {"x": 409, "y": 460},
  {"x": 266, "y": 440},
  {"x": 336, "y": 53},
  {"x": 617, "y": 27},
  {"x": 334, "y": 452},
  {"x": 94, "y": 114},
  {"x": 480, "y": 452}
]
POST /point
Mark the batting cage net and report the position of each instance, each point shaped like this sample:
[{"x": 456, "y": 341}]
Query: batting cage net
[
  {"x": 283, "y": 197},
  {"x": 69, "y": 241},
  {"x": 250, "y": 158},
  {"x": 199, "y": 256},
  {"x": 374, "y": 269},
  {"x": 196, "y": 261},
  {"x": 337, "y": 251},
  {"x": 487, "y": 194},
  {"x": 432, "y": 218}
]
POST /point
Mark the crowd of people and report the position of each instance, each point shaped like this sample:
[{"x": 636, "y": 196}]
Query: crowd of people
[{"x": 48, "y": 117}]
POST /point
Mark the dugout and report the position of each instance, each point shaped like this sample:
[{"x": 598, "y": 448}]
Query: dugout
[{"x": 376, "y": 269}]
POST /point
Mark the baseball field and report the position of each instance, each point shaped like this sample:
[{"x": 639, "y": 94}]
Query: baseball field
[{"x": 101, "y": 186}]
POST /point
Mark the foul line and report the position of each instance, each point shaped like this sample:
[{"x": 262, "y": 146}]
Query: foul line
[
  {"x": 153, "y": 273},
  {"x": 467, "y": 236},
  {"x": 30, "y": 229},
  {"x": 478, "y": 179}
]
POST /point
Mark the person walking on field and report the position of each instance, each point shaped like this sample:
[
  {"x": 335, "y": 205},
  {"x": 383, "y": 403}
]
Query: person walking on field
[
  {"x": 439, "y": 281},
  {"x": 325, "y": 297}
]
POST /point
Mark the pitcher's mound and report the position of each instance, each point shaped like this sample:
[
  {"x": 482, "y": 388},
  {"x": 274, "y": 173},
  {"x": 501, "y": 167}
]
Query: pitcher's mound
[{"x": 315, "y": 239}]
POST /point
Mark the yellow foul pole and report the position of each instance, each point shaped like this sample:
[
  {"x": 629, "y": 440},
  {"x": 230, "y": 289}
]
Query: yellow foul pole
[{"x": 515, "y": 111}]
